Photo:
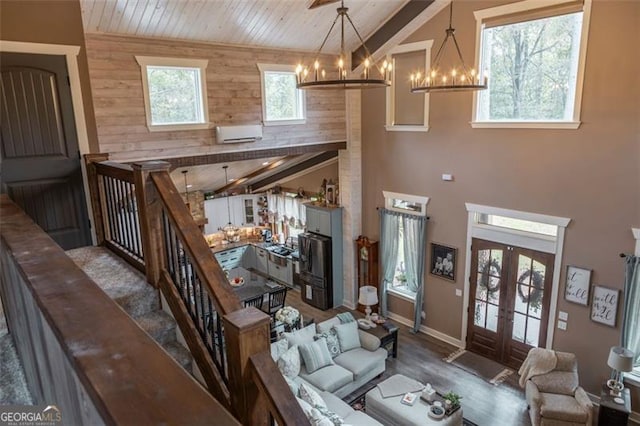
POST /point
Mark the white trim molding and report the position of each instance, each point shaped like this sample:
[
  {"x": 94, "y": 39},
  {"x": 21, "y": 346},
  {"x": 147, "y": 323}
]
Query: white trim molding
[
  {"x": 522, "y": 7},
  {"x": 427, "y": 330},
  {"x": 71, "y": 55},
  {"x": 302, "y": 99},
  {"x": 533, "y": 241},
  {"x": 158, "y": 61},
  {"x": 417, "y": 199},
  {"x": 390, "y": 124},
  {"x": 636, "y": 235}
]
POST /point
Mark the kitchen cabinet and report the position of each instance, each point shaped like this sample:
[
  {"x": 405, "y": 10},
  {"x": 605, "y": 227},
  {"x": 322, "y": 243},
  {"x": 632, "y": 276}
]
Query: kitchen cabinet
[
  {"x": 281, "y": 269},
  {"x": 249, "y": 210},
  {"x": 249, "y": 257},
  {"x": 232, "y": 258},
  {"x": 215, "y": 211},
  {"x": 318, "y": 220},
  {"x": 262, "y": 260},
  {"x": 243, "y": 210}
]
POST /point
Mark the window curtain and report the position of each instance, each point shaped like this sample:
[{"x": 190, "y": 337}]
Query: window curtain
[
  {"x": 389, "y": 242},
  {"x": 631, "y": 323},
  {"x": 285, "y": 208},
  {"x": 414, "y": 259}
]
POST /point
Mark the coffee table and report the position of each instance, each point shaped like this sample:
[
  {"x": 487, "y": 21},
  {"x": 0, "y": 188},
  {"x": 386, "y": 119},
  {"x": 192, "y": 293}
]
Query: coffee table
[{"x": 390, "y": 411}]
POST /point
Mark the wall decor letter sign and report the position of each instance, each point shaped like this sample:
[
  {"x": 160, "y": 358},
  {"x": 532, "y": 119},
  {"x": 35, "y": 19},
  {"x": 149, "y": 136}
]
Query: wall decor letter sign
[
  {"x": 604, "y": 308},
  {"x": 576, "y": 288}
]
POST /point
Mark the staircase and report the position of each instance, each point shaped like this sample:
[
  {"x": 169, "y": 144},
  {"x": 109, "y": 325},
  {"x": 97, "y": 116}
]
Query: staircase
[
  {"x": 129, "y": 289},
  {"x": 13, "y": 386}
]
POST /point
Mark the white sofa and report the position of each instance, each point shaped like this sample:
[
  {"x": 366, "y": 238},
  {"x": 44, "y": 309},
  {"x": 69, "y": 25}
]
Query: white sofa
[{"x": 350, "y": 370}]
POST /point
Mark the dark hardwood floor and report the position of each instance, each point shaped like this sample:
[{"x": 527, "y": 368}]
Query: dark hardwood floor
[{"x": 420, "y": 357}]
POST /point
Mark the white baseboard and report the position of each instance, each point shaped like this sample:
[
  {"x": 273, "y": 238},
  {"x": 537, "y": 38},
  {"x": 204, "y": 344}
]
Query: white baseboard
[
  {"x": 348, "y": 304},
  {"x": 428, "y": 331}
]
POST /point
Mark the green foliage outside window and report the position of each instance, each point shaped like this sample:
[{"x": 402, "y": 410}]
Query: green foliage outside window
[
  {"x": 282, "y": 101},
  {"x": 174, "y": 95},
  {"x": 533, "y": 69}
]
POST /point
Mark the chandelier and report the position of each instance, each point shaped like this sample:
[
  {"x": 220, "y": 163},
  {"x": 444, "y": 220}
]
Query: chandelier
[
  {"x": 321, "y": 79},
  {"x": 230, "y": 231},
  {"x": 458, "y": 79}
]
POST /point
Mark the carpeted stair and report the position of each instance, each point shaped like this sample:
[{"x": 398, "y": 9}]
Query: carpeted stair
[
  {"x": 129, "y": 288},
  {"x": 13, "y": 386}
]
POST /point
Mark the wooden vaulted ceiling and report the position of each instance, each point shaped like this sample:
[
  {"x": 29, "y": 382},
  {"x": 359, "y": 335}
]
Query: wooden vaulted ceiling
[{"x": 268, "y": 23}]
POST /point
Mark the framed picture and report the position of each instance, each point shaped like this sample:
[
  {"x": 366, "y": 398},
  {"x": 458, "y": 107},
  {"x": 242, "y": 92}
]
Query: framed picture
[
  {"x": 443, "y": 261},
  {"x": 604, "y": 307},
  {"x": 576, "y": 287}
]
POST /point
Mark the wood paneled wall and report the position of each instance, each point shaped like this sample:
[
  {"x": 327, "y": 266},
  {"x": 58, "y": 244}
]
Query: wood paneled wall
[{"x": 233, "y": 85}]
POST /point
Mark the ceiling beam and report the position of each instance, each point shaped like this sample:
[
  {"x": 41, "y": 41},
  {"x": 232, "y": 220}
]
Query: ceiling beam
[
  {"x": 295, "y": 169},
  {"x": 389, "y": 29},
  {"x": 255, "y": 173},
  {"x": 225, "y": 157}
]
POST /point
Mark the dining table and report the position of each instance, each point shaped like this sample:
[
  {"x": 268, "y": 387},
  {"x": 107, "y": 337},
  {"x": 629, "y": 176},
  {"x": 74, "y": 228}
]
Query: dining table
[{"x": 254, "y": 284}]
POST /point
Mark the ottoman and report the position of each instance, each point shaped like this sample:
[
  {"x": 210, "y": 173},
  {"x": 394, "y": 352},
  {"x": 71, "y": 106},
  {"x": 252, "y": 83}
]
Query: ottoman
[{"x": 391, "y": 412}]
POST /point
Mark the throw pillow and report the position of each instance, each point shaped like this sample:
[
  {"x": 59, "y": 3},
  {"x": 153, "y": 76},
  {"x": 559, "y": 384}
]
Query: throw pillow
[
  {"x": 278, "y": 348},
  {"x": 300, "y": 337},
  {"x": 293, "y": 385},
  {"x": 333, "y": 417},
  {"x": 333, "y": 344},
  {"x": 311, "y": 396},
  {"x": 289, "y": 363},
  {"x": 348, "y": 336},
  {"x": 316, "y": 416},
  {"x": 315, "y": 355}
]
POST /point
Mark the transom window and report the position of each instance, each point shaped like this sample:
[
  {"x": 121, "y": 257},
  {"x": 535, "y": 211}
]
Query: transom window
[
  {"x": 174, "y": 93},
  {"x": 282, "y": 102},
  {"x": 535, "y": 61}
]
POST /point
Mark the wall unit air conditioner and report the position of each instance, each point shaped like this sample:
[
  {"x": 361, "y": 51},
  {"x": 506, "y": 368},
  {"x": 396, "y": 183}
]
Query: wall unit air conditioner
[{"x": 235, "y": 134}]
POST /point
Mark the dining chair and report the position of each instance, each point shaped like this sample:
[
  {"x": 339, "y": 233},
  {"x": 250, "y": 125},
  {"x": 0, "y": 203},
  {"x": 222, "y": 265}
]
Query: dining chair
[
  {"x": 256, "y": 302},
  {"x": 276, "y": 301}
]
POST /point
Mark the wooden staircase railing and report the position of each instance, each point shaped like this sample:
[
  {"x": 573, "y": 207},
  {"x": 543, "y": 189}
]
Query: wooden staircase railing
[
  {"x": 80, "y": 351},
  {"x": 229, "y": 343}
]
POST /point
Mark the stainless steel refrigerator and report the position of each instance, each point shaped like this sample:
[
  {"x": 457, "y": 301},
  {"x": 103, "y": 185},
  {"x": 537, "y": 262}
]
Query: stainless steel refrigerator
[{"x": 316, "y": 284}]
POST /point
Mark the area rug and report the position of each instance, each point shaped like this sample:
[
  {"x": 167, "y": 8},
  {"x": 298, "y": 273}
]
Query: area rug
[
  {"x": 356, "y": 398},
  {"x": 480, "y": 366}
]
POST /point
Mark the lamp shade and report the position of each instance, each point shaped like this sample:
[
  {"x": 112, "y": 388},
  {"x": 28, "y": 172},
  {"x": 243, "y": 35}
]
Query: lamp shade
[
  {"x": 368, "y": 295},
  {"x": 620, "y": 359}
]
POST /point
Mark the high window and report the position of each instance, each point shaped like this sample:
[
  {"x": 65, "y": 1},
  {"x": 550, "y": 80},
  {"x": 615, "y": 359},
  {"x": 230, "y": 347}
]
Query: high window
[
  {"x": 282, "y": 102},
  {"x": 534, "y": 57},
  {"x": 175, "y": 93}
]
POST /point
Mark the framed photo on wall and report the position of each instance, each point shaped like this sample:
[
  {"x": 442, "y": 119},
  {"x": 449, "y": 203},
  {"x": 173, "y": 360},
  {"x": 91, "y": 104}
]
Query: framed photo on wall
[
  {"x": 577, "y": 284},
  {"x": 443, "y": 261},
  {"x": 604, "y": 307}
]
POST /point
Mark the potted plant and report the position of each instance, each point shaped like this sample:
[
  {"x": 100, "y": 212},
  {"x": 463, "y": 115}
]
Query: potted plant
[{"x": 451, "y": 399}]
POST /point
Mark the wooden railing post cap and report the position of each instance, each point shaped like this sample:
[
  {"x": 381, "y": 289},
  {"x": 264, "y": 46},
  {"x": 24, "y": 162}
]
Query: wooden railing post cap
[
  {"x": 151, "y": 166},
  {"x": 96, "y": 157},
  {"x": 247, "y": 319}
]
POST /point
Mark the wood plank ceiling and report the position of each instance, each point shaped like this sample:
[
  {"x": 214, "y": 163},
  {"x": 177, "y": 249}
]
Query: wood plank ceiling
[{"x": 286, "y": 24}]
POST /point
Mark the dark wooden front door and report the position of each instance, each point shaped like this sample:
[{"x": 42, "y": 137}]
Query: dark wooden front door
[
  {"x": 509, "y": 301},
  {"x": 39, "y": 155}
]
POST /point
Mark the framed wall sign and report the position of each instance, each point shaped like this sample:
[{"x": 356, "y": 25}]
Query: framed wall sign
[
  {"x": 576, "y": 287},
  {"x": 604, "y": 308}
]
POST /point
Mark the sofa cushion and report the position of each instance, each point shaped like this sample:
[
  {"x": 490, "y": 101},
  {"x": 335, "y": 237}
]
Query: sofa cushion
[
  {"x": 333, "y": 344},
  {"x": 348, "y": 336},
  {"x": 278, "y": 348},
  {"x": 562, "y": 407},
  {"x": 327, "y": 325},
  {"x": 562, "y": 382},
  {"x": 329, "y": 378},
  {"x": 289, "y": 362},
  {"x": 315, "y": 355},
  {"x": 312, "y": 397},
  {"x": 300, "y": 337},
  {"x": 359, "y": 361}
]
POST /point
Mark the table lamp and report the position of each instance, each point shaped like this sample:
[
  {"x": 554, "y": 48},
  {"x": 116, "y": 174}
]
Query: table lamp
[
  {"x": 620, "y": 360},
  {"x": 368, "y": 297}
]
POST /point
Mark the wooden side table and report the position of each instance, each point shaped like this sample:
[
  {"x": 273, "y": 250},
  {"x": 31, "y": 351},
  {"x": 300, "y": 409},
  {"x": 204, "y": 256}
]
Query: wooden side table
[{"x": 611, "y": 413}]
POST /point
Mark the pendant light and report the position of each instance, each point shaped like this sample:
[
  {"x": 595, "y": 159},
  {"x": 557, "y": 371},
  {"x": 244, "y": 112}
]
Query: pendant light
[
  {"x": 459, "y": 78},
  {"x": 230, "y": 231},
  {"x": 322, "y": 79},
  {"x": 186, "y": 187}
]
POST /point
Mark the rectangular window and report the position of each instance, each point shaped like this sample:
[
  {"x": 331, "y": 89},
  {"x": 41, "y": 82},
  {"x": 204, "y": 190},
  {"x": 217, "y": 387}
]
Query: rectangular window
[
  {"x": 174, "y": 93},
  {"x": 517, "y": 224},
  {"x": 535, "y": 61},
  {"x": 282, "y": 102}
]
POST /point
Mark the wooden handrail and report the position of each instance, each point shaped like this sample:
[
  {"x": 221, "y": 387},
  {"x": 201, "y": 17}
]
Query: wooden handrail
[
  {"x": 103, "y": 367},
  {"x": 281, "y": 402},
  {"x": 213, "y": 278},
  {"x": 113, "y": 169}
]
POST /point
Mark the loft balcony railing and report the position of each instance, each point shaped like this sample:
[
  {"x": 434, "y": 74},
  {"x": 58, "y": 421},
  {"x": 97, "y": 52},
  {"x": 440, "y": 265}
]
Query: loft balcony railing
[{"x": 140, "y": 215}]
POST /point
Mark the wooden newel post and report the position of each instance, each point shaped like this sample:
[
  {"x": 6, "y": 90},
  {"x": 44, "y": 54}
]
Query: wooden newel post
[
  {"x": 95, "y": 194},
  {"x": 246, "y": 333},
  {"x": 150, "y": 216}
]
